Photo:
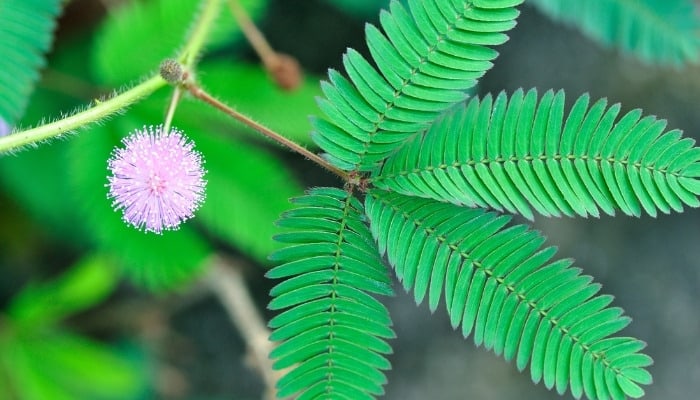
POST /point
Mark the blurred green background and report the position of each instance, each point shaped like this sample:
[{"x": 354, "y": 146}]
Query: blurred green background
[{"x": 92, "y": 309}]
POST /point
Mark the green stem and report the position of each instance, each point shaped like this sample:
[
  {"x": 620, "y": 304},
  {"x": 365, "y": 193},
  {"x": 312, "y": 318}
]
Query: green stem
[
  {"x": 99, "y": 111},
  {"x": 174, "y": 100},
  {"x": 195, "y": 42},
  {"x": 188, "y": 56},
  {"x": 102, "y": 109}
]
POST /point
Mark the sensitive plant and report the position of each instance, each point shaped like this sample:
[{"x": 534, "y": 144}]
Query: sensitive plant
[
  {"x": 157, "y": 179},
  {"x": 428, "y": 172}
]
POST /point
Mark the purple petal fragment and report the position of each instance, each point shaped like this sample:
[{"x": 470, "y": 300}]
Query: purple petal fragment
[{"x": 5, "y": 129}]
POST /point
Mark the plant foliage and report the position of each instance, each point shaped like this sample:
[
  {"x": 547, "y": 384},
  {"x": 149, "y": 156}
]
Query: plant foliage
[
  {"x": 514, "y": 154},
  {"x": 25, "y": 35},
  {"x": 413, "y": 146},
  {"x": 235, "y": 194},
  {"x": 656, "y": 31},
  {"x": 434, "y": 167},
  {"x": 41, "y": 360},
  {"x": 359, "y": 8},
  {"x": 164, "y": 25},
  {"x": 64, "y": 366},
  {"x": 256, "y": 95},
  {"x": 85, "y": 284},
  {"x": 502, "y": 288},
  {"x": 333, "y": 330},
  {"x": 428, "y": 56}
]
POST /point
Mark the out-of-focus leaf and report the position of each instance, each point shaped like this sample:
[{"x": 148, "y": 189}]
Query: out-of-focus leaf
[
  {"x": 249, "y": 89},
  {"x": 84, "y": 285},
  {"x": 63, "y": 366},
  {"x": 5, "y": 390},
  {"x": 248, "y": 189},
  {"x": 655, "y": 31},
  {"x": 25, "y": 380},
  {"x": 26, "y": 29},
  {"x": 48, "y": 199},
  {"x": 157, "y": 262},
  {"x": 139, "y": 35},
  {"x": 360, "y": 8}
]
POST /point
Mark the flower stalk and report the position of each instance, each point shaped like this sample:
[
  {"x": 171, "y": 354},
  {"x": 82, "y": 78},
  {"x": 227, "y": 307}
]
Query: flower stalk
[
  {"x": 99, "y": 111},
  {"x": 283, "y": 68}
]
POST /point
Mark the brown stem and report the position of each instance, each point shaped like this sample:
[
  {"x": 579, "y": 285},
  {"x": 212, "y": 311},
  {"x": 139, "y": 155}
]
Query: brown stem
[
  {"x": 199, "y": 93},
  {"x": 252, "y": 33},
  {"x": 283, "y": 68}
]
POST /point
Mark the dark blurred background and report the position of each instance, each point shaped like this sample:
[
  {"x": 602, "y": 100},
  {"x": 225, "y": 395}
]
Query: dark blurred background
[{"x": 652, "y": 265}]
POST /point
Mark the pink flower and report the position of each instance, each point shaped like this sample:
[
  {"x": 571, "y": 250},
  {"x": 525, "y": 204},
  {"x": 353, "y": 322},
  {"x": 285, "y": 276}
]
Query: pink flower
[{"x": 157, "y": 179}]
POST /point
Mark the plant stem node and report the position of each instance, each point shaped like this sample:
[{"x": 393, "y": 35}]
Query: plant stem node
[{"x": 172, "y": 71}]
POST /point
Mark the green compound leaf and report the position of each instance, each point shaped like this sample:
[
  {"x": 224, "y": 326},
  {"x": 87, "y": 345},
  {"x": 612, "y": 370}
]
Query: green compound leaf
[
  {"x": 156, "y": 262},
  {"x": 26, "y": 30},
  {"x": 655, "y": 31},
  {"x": 502, "y": 288},
  {"x": 428, "y": 56},
  {"x": 333, "y": 333},
  {"x": 138, "y": 35},
  {"x": 521, "y": 153}
]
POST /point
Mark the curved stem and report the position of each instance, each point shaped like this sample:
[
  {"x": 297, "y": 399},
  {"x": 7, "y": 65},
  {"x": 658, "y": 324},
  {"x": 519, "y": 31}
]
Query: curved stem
[
  {"x": 191, "y": 50},
  {"x": 199, "y": 93},
  {"x": 102, "y": 109},
  {"x": 99, "y": 111},
  {"x": 252, "y": 33}
]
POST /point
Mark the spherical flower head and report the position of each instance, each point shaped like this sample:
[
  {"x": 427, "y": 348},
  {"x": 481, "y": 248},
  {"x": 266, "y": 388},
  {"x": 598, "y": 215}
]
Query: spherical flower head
[{"x": 157, "y": 179}]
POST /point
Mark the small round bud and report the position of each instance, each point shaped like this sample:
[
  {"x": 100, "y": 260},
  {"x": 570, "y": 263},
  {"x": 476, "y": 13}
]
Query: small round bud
[
  {"x": 285, "y": 71},
  {"x": 172, "y": 71}
]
